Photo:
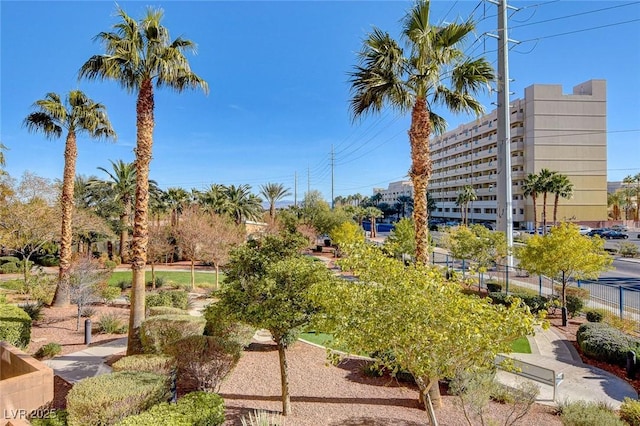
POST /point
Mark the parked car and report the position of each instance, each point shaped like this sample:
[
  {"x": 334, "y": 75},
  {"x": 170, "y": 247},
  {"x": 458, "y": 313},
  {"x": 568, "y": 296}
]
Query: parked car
[
  {"x": 584, "y": 230},
  {"x": 620, "y": 228},
  {"x": 614, "y": 235},
  {"x": 598, "y": 232}
]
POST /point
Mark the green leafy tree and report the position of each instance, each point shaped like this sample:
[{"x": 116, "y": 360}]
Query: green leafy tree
[
  {"x": 346, "y": 233},
  {"x": 430, "y": 326},
  {"x": 268, "y": 286},
  {"x": 138, "y": 55},
  {"x": 566, "y": 255},
  {"x": 78, "y": 114},
  {"x": 477, "y": 244},
  {"x": 402, "y": 240},
  {"x": 415, "y": 79}
]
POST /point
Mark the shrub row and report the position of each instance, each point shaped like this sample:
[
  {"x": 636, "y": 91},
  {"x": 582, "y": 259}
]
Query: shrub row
[
  {"x": 176, "y": 299},
  {"x": 197, "y": 408},
  {"x": 110, "y": 398},
  {"x": 603, "y": 342},
  {"x": 150, "y": 363},
  {"x": 536, "y": 303},
  {"x": 582, "y": 413},
  {"x": 159, "y": 332},
  {"x": 15, "y": 325},
  {"x": 165, "y": 310}
]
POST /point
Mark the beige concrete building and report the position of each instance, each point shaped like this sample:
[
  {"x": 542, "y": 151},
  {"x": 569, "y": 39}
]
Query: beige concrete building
[
  {"x": 560, "y": 132},
  {"x": 394, "y": 190}
]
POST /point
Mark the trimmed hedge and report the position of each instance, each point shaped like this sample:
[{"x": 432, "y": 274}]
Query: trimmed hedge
[
  {"x": 595, "y": 315},
  {"x": 158, "y": 364},
  {"x": 109, "y": 398},
  {"x": 15, "y": 325},
  {"x": 174, "y": 298},
  {"x": 154, "y": 311},
  {"x": 602, "y": 342},
  {"x": 159, "y": 332},
  {"x": 534, "y": 302},
  {"x": 197, "y": 409}
]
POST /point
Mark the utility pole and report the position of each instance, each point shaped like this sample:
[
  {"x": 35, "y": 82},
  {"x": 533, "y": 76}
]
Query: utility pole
[
  {"x": 332, "y": 168},
  {"x": 504, "y": 198}
]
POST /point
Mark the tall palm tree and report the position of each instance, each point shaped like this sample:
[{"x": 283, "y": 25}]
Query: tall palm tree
[
  {"x": 560, "y": 186},
  {"x": 531, "y": 188},
  {"x": 3, "y": 148},
  {"x": 545, "y": 179},
  {"x": 120, "y": 187},
  {"x": 406, "y": 203},
  {"x": 615, "y": 200},
  {"x": 178, "y": 199},
  {"x": 432, "y": 70},
  {"x": 373, "y": 213},
  {"x": 636, "y": 179},
  {"x": 139, "y": 54},
  {"x": 77, "y": 114},
  {"x": 630, "y": 190},
  {"x": 465, "y": 196},
  {"x": 273, "y": 192},
  {"x": 214, "y": 199},
  {"x": 242, "y": 204}
]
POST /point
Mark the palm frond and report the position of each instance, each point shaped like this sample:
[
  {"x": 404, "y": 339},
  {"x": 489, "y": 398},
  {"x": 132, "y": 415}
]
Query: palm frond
[
  {"x": 457, "y": 101},
  {"x": 41, "y": 122},
  {"x": 472, "y": 76}
]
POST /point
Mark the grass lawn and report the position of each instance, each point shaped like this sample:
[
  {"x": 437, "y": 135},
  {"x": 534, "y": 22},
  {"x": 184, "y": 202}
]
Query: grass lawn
[
  {"x": 180, "y": 279},
  {"x": 521, "y": 346}
]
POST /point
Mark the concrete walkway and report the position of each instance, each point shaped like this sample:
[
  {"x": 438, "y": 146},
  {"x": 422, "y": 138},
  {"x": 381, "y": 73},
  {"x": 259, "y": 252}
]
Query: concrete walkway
[{"x": 580, "y": 381}]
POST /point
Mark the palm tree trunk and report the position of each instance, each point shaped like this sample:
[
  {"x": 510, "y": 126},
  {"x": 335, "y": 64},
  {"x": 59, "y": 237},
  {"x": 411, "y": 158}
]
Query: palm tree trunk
[
  {"x": 284, "y": 377},
  {"x": 535, "y": 214},
  {"x": 420, "y": 172},
  {"x": 62, "y": 297},
  {"x": 217, "y": 276},
  {"x": 193, "y": 273},
  {"x": 555, "y": 208},
  {"x": 272, "y": 210},
  {"x": 544, "y": 213},
  {"x": 123, "y": 235},
  {"x": 145, "y": 123}
]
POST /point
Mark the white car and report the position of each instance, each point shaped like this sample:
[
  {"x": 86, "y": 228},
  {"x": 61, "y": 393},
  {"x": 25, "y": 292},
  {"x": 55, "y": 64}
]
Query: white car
[{"x": 584, "y": 230}]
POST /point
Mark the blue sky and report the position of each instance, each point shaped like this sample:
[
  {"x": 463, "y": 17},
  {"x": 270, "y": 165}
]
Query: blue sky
[{"x": 279, "y": 92}]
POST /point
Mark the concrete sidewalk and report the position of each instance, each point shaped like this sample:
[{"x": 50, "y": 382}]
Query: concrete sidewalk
[
  {"x": 581, "y": 382},
  {"x": 86, "y": 363}
]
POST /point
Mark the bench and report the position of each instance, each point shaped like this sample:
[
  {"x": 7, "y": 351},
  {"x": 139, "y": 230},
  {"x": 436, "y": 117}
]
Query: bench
[{"x": 530, "y": 371}]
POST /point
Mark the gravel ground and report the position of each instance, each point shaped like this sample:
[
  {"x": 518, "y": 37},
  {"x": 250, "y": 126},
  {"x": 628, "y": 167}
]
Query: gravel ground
[{"x": 322, "y": 394}]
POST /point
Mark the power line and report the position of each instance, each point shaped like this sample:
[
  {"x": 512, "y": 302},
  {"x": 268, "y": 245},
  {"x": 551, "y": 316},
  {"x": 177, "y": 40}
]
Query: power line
[{"x": 574, "y": 15}]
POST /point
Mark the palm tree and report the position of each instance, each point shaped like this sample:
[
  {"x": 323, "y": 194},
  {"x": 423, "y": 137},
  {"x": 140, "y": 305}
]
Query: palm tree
[
  {"x": 3, "y": 148},
  {"x": 242, "y": 204},
  {"x": 139, "y": 54},
  {"x": 560, "y": 186},
  {"x": 615, "y": 200},
  {"x": 545, "y": 179},
  {"x": 177, "y": 200},
  {"x": 465, "y": 196},
  {"x": 373, "y": 213},
  {"x": 406, "y": 203},
  {"x": 415, "y": 80},
  {"x": 214, "y": 199},
  {"x": 531, "y": 188},
  {"x": 273, "y": 192},
  {"x": 120, "y": 188},
  {"x": 77, "y": 114},
  {"x": 630, "y": 191}
]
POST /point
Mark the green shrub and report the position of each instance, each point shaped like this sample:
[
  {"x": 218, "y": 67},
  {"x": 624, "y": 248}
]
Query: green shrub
[
  {"x": 630, "y": 411},
  {"x": 124, "y": 284},
  {"x": 49, "y": 260},
  {"x": 197, "y": 409},
  {"x": 111, "y": 324},
  {"x": 222, "y": 325},
  {"x": 159, "y": 364},
  {"x": 33, "y": 309},
  {"x": 581, "y": 413},
  {"x": 570, "y": 290},
  {"x": 174, "y": 298},
  {"x": 535, "y": 302},
  {"x": 15, "y": 325},
  {"x": 602, "y": 342},
  {"x": 109, "y": 398},
  {"x": 160, "y": 281},
  {"x": 204, "y": 361},
  {"x": 3, "y": 298},
  {"x": 8, "y": 259},
  {"x": 157, "y": 333},
  {"x": 15, "y": 285},
  {"x": 54, "y": 418},
  {"x": 48, "y": 351},
  {"x": 9, "y": 268},
  {"x": 110, "y": 264},
  {"x": 165, "y": 310},
  {"x": 109, "y": 293},
  {"x": 595, "y": 315},
  {"x": 88, "y": 312},
  {"x": 574, "y": 305},
  {"x": 628, "y": 249}
]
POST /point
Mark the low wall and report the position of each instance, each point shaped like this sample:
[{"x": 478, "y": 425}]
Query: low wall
[{"x": 26, "y": 384}]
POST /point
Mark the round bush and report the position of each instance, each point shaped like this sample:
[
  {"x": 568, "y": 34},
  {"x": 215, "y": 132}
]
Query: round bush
[
  {"x": 15, "y": 325},
  {"x": 109, "y": 398},
  {"x": 594, "y": 315},
  {"x": 196, "y": 408},
  {"x": 602, "y": 342},
  {"x": 159, "y": 332},
  {"x": 154, "y": 311}
]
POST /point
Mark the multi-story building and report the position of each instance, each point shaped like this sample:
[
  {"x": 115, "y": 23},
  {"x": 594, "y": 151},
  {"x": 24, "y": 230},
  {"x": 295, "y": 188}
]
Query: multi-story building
[
  {"x": 395, "y": 190},
  {"x": 565, "y": 133}
]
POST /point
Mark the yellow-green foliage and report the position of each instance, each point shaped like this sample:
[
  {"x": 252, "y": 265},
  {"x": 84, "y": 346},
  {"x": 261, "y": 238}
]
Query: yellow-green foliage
[
  {"x": 196, "y": 408},
  {"x": 630, "y": 411},
  {"x": 477, "y": 244},
  {"x": 159, "y": 364},
  {"x": 581, "y": 413},
  {"x": 346, "y": 233},
  {"x": 154, "y": 311},
  {"x": 15, "y": 325},
  {"x": 109, "y": 398},
  {"x": 159, "y": 332}
]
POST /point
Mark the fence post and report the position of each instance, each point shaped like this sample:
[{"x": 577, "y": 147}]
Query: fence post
[
  {"x": 506, "y": 281},
  {"x": 621, "y": 291},
  {"x": 540, "y": 284}
]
